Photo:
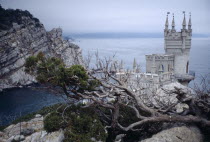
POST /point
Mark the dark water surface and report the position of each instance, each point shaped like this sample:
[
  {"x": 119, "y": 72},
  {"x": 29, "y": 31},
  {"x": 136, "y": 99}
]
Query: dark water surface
[{"x": 21, "y": 101}]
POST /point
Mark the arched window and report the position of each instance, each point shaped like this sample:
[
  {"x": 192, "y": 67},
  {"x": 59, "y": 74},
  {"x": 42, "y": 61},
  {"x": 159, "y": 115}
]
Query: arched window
[
  {"x": 162, "y": 68},
  {"x": 187, "y": 66},
  {"x": 168, "y": 67}
]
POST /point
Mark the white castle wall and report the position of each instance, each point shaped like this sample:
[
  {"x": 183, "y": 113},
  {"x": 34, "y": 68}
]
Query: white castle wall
[
  {"x": 155, "y": 62},
  {"x": 179, "y": 46},
  {"x": 181, "y": 63}
]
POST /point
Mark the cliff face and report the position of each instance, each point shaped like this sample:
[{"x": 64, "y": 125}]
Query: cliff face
[{"x": 22, "y": 36}]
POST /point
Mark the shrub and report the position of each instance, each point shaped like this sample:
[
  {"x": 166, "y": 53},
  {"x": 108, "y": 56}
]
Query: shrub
[
  {"x": 84, "y": 127},
  {"x": 30, "y": 63},
  {"x": 53, "y": 122}
]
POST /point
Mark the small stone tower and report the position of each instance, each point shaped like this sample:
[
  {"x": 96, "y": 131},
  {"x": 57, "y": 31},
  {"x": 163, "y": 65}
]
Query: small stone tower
[{"x": 179, "y": 44}]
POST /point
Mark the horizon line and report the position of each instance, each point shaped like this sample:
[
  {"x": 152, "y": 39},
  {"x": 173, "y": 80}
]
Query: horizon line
[{"x": 124, "y": 35}]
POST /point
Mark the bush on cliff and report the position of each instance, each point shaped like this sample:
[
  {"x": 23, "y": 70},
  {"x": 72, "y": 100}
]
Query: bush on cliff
[
  {"x": 53, "y": 122},
  {"x": 53, "y": 71},
  {"x": 79, "y": 124},
  {"x": 10, "y": 16}
]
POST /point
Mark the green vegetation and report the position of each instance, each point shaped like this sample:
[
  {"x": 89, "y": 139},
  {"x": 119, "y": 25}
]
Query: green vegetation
[
  {"x": 83, "y": 125},
  {"x": 53, "y": 122},
  {"x": 125, "y": 118},
  {"x": 9, "y": 16},
  {"x": 53, "y": 71},
  {"x": 43, "y": 111},
  {"x": 2, "y": 127},
  {"x": 80, "y": 124}
]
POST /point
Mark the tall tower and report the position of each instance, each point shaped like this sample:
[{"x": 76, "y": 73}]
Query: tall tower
[{"x": 179, "y": 44}]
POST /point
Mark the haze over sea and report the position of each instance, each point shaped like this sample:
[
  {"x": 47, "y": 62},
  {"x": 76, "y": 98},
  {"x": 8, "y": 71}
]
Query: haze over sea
[
  {"x": 127, "y": 49},
  {"x": 25, "y": 100}
]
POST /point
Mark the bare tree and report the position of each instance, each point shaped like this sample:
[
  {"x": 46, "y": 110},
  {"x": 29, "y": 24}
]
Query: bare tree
[{"x": 115, "y": 90}]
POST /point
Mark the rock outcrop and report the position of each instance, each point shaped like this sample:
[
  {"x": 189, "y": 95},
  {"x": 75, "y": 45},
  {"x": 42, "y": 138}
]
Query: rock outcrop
[
  {"x": 168, "y": 95},
  {"x": 24, "y": 36},
  {"x": 177, "y": 134},
  {"x": 31, "y": 131}
]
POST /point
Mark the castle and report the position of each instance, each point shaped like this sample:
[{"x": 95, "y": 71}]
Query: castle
[
  {"x": 169, "y": 67},
  {"x": 177, "y": 47}
]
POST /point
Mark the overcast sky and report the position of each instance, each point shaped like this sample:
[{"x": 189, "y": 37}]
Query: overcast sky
[{"x": 88, "y": 16}]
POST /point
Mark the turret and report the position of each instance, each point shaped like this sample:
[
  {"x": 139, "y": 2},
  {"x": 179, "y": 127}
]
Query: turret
[
  {"x": 179, "y": 44},
  {"x": 134, "y": 65},
  {"x": 173, "y": 24},
  {"x": 166, "y": 24},
  {"x": 189, "y": 26},
  {"x": 184, "y": 22}
]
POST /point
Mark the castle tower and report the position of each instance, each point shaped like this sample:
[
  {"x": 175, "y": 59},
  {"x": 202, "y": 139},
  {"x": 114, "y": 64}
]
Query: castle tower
[{"x": 179, "y": 44}]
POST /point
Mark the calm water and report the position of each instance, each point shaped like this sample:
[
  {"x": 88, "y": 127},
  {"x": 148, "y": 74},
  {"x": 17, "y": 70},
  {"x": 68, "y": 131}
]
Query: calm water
[
  {"x": 20, "y": 101},
  {"x": 128, "y": 49},
  {"x": 16, "y": 102}
]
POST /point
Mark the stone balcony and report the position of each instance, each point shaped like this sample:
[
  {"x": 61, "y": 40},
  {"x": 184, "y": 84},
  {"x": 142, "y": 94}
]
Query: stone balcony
[{"x": 185, "y": 77}]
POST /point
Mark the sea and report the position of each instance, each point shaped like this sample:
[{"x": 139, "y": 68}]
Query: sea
[{"x": 20, "y": 101}]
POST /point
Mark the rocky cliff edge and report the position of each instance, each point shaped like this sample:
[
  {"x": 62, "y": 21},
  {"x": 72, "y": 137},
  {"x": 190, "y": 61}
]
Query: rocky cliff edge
[{"x": 22, "y": 35}]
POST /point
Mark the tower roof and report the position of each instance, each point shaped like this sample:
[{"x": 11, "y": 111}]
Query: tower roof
[
  {"x": 189, "y": 23},
  {"x": 173, "y": 23},
  {"x": 184, "y": 21},
  {"x": 166, "y": 24},
  {"x": 134, "y": 63}
]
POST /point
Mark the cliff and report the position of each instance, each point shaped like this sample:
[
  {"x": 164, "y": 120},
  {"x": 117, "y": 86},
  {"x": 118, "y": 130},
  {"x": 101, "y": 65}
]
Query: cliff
[{"x": 22, "y": 35}]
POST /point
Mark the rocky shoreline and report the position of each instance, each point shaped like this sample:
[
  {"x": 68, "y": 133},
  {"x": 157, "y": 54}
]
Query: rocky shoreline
[{"x": 30, "y": 131}]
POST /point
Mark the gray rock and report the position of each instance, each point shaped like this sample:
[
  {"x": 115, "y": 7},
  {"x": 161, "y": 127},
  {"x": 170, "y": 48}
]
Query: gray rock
[
  {"x": 19, "y": 138},
  {"x": 27, "y": 128},
  {"x": 38, "y": 116},
  {"x": 177, "y": 134},
  {"x": 26, "y": 40},
  {"x": 27, "y": 131},
  {"x": 165, "y": 97},
  {"x": 180, "y": 107},
  {"x": 119, "y": 138},
  {"x": 43, "y": 136}
]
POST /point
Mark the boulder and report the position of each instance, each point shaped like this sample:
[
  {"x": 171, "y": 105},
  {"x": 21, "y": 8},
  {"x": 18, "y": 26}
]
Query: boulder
[
  {"x": 166, "y": 97},
  {"x": 27, "y": 128},
  {"x": 43, "y": 136},
  {"x": 19, "y": 138},
  {"x": 177, "y": 134}
]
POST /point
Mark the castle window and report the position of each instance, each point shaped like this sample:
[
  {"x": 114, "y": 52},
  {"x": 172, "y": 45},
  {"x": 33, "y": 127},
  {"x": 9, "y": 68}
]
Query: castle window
[
  {"x": 168, "y": 67},
  {"x": 161, "y": 69},
  {"x": 187, "y": 66}
]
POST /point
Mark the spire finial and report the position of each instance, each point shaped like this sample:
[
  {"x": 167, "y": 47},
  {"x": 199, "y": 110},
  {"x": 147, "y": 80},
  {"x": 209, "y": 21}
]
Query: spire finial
[
  {"x": 184, "y": 21},
  {"x": 173, "y": 24},
  {"x": 166, "y": 24},
  {"x": 189, "y": 23},
  {"x": 134, "y": 64}
]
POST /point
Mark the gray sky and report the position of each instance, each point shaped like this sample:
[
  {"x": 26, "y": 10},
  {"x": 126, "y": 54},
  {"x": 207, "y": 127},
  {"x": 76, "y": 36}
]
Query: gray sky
[{"x": 87, "y": 16}]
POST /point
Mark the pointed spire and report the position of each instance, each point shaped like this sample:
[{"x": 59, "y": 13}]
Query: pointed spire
[
  {"x": 121, "y": 66},
  {"x": 173, "y": 24},
  {"x": 166, "y": 24},
  {"x": 134, "y": 63},
  {"x": 189, "y": 23},
  {"x": 184, "y": 21}
]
